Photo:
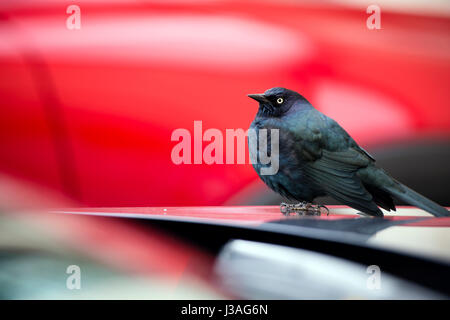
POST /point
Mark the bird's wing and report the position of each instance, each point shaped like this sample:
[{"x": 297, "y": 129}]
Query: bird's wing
[
  {"x": 335, "y": 172},
  {"x": 331, "y": 161}
]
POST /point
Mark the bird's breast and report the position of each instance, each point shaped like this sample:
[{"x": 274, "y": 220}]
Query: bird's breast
[{"x": 289, "y": 179}]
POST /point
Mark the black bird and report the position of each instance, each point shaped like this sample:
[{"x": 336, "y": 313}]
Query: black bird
[{"x": 317, "y": 157}]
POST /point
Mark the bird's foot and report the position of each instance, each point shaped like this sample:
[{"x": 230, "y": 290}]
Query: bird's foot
[{"x": 303, "y": 209}]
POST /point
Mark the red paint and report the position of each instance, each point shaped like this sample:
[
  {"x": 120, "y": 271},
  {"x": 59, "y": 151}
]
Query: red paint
[
  {"x": 137, "y": 71},
  {"x": 253, "y": 215}
]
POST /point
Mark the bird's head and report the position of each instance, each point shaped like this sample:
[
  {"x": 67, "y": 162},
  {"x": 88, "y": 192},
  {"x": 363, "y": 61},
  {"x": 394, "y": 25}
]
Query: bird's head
[{"x": 276, "y": 102}]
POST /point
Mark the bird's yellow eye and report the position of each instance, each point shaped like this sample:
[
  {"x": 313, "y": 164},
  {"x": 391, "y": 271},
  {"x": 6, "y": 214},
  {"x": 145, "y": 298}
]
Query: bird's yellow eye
[{"x": 280, "y": 100}]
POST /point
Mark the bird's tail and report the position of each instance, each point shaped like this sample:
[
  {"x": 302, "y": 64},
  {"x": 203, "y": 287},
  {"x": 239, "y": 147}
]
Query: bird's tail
[{"x": 408, "y": 195}]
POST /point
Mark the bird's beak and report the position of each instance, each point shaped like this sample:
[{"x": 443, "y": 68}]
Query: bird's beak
[{"x": 259, "y": 97}]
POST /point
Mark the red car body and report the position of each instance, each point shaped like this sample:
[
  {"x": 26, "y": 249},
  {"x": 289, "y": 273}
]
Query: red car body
[{"x": 90, "y": 112}]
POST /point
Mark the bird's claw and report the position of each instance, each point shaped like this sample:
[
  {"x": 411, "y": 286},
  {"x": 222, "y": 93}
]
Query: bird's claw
[{"x": 302, "y": 209}]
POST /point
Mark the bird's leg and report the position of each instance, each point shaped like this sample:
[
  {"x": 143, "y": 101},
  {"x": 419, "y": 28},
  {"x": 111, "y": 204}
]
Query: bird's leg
[{"x": 303, "y": 208}]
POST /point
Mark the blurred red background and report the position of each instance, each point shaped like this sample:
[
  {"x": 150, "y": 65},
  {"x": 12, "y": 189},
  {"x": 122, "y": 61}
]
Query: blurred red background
[{"x": 89, "y": 113}]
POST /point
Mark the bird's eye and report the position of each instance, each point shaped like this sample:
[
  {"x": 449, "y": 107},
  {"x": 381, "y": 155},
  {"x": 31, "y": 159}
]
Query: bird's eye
[{"x": 280, "y": 100}]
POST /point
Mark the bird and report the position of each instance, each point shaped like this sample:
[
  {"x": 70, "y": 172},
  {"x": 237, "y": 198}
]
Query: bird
[{"x": 317, "y": 157}]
